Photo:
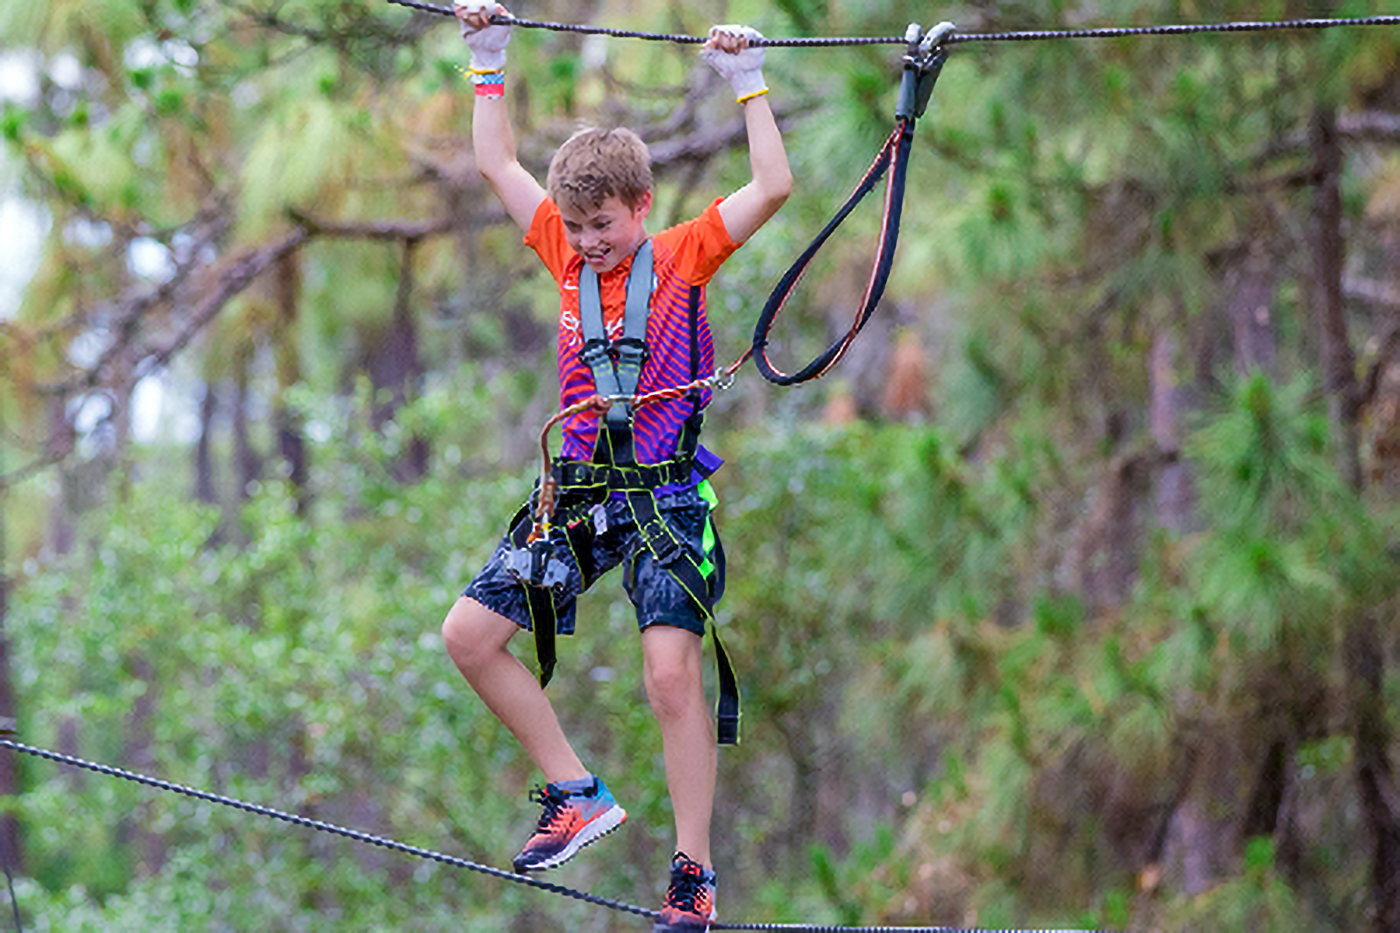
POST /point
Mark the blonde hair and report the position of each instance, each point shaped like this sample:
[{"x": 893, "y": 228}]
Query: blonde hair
[{"x": 595, "y": 164}]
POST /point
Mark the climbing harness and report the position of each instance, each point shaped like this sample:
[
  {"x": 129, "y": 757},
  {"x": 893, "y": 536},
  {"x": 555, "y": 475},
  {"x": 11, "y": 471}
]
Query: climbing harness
[{"x": 569, "y": 507}]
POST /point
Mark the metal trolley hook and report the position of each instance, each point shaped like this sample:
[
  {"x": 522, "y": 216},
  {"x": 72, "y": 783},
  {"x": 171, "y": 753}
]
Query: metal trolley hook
[{"x": 922, "y": 64}]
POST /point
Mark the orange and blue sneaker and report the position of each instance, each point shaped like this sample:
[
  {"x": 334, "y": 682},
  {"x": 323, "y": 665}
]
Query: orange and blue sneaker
[
  {"x": 572, "y": 818},
  {"x": 690, "y": 901}
]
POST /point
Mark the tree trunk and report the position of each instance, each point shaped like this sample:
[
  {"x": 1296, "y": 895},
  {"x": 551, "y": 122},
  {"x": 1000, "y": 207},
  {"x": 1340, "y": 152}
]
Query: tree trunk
[
  {"x": 122, "y": 392},
  {"x": 1365, "y": 661},
  {"x": 1338, "y": 362},
  {"x": 1101, "y": 561},
  {"x": 1251, "y": 287},
  {"x": 1174, "y": 497},
  {"x": 10, "y": 839},
  {"x": 205, "y": 489},
  {"x": 1365, "y": 666},
  {"x": 395, "y": 370},
  {"x": 247, "y": 463},
  {"x": 62, "y": 535},
  {"x": 149, "y": 845},
  {"x": 291, "y": 442}
]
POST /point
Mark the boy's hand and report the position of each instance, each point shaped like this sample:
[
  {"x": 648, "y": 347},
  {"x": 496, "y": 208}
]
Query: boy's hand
[
  {"x": 487, "y": 42},
  {"x": 729, "y": 52}
]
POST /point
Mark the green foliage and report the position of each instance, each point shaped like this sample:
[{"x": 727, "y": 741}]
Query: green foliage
[
  {"x": 1259, "y": 900},
  {"x": 944, "y": 725},
  {"x": 300, "y": 669},
  {"x": 1293, "y": 543}
]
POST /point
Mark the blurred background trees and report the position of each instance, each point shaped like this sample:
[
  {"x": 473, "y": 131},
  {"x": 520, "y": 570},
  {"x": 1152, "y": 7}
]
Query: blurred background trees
[{"x": 1068, "y": 599}]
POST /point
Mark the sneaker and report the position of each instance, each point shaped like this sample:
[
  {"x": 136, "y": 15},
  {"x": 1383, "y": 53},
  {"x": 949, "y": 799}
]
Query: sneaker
[
  {"x": 690, "y": 901},
  {"x": 570, "y": 821}
]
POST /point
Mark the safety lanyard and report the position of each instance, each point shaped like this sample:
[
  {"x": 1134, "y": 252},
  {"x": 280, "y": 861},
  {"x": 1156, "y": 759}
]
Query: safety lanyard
[{"x": 922, "y": 66}]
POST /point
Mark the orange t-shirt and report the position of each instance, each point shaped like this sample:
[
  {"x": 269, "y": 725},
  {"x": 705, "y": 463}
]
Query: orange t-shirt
[{"x": 680, "y": 349}]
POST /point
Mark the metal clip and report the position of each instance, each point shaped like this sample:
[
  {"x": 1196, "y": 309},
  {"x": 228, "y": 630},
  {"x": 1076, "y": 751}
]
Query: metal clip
[
  {"x": 922, "y": 63},
  {"x": 722, "y": 379},
  {"x": 935, "y": 38},
  {"x": 911, "y": 38},
  {"x": 537, "y": 564}
]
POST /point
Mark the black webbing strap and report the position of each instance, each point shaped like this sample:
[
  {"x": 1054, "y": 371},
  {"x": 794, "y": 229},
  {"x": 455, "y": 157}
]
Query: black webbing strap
[
  {"x": 543, "y": 621},
  {"x": 922, "y": 68},
  {"x": 539, "y": 600},
  {"x": 672, "y": 555},
  {"x": 727, "y": 710},
  {"x": 585, "y": 475},
  {"x": 894, "y": 154},
  {"x": 693, "y": 318}
]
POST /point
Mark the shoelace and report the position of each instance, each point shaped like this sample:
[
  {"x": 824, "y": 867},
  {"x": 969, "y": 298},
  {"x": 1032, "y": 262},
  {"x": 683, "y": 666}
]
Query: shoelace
[
  {"x": 687, "y": 884},
  {"x": 553, "y": 803}
]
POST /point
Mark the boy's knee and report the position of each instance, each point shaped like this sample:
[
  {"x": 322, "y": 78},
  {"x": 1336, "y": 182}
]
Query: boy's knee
[
  {"x": 472, "y": 632},
  {"x": 673, "y": 679}
]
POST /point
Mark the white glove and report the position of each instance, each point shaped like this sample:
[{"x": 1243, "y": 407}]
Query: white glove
[
  {"x": 743, "y": 70},
  {"x": 488, "y": 46}
]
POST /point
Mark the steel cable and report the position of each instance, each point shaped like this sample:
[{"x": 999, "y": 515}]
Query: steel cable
[
  {"x": 331, "y": 828},
  {"x": 429, "y": 854},
  {"x": 956, "y": 38}
]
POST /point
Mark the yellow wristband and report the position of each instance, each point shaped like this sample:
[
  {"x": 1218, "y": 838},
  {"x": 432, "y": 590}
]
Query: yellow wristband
[
  {"x": 486, "y": 71},
  {"x": 748, "y": 97}
]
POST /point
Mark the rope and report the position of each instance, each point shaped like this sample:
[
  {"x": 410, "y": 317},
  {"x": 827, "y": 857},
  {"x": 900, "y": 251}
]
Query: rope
[
  {"x": 678, "y": 38},
  {"x": 331, "y": 828},
  {"x": 957, "y": 38},
  {"x": 1187, "y": 30},
  {"x": 385, "y": 843},
  {"x": 809, "y": 928}
]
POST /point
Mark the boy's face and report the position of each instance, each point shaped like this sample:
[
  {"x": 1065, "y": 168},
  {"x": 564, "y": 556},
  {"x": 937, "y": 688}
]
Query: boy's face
[{"x": 607, "y": 234}]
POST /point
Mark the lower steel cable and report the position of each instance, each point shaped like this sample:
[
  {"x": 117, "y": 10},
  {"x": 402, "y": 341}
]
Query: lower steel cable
[
  {"x": 331, "y": 828},
  {"x": 429, "y": 854}
]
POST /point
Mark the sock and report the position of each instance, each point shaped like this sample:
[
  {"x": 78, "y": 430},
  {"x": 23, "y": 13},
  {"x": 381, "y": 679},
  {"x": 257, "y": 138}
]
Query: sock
[{"x": 579, "y": 786}]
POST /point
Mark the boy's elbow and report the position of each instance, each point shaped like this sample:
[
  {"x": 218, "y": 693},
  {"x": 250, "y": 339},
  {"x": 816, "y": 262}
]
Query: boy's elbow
[
  {"x": 489, "y": 171},
  {"x": 781, "y": 188}
]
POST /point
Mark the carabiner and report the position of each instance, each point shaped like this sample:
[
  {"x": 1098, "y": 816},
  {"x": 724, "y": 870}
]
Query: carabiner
[
  {"x": 933, "y": 40},
  {"x": 922, "y": 64}
]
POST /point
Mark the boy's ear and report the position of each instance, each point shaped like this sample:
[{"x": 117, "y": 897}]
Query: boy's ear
[{"x": 643, "y": 207}]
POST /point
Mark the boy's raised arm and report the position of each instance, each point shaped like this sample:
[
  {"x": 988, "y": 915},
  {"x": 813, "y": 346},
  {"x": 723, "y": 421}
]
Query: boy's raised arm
[
  {"x": 493, "y": 139},
  {"x": 749, "y": 208}
]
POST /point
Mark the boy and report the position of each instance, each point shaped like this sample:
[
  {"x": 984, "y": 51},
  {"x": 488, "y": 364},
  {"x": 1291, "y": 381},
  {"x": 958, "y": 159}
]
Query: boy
[{"x": 588, "y": 228}]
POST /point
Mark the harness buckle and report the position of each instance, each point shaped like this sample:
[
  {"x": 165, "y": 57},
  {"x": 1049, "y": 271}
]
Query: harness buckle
[
  {"x": 631, "y": 355},
  {"x": 537, "y": 564},
  {"x": 595, "y": 351},
  {"x": 663, "y": 545}
]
